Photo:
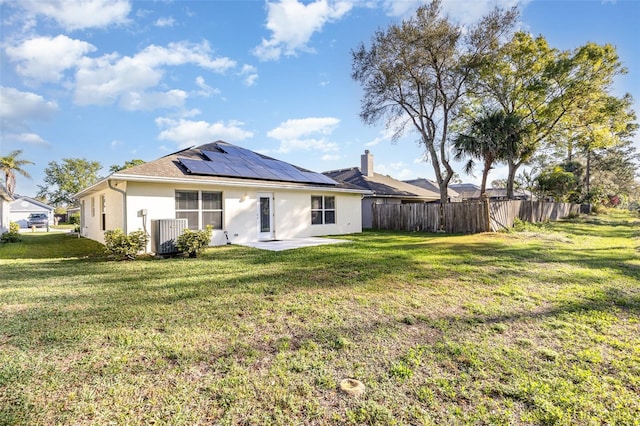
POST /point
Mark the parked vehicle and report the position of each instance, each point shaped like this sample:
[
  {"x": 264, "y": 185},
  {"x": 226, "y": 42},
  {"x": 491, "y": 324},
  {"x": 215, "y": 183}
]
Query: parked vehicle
[{"x": 39, "y": 220}]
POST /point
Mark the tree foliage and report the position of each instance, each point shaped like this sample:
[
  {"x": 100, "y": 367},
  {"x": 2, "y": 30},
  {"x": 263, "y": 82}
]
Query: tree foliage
[
  {"x": 488, "y": 140},
  {"x": 561, "y": 182},
  {"x": 63, "y": 180},
  {"x": 10, "y": 165},
  {"x": 127, "y": 165},
  {"x": 614, "y": 172},
  {"x": 418, "y": 75},
  {"x": 548, "y": 88}
]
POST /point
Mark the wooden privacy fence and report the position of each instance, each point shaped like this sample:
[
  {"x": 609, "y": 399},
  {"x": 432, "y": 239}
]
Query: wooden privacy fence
[{"x": 467, "y": 217}]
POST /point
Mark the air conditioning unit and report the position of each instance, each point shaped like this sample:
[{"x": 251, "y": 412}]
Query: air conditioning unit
[{"x": 166, "y": 233}]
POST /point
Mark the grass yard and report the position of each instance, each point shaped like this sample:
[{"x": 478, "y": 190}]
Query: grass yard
[{"x": 539, "y": 327}]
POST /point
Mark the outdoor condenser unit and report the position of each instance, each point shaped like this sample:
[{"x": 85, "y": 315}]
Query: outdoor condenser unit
[{"x": 165, "y": 234}]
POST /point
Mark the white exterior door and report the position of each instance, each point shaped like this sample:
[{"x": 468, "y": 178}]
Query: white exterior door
[{"x": 265, "y": 216}]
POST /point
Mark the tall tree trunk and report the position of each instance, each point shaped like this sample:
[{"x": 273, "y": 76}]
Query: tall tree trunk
[
  {"x": 588, "y": 179},
  {"x": 485, "y": 175},
  {"x": 511, "y": 177},
  {"x": 483, "y": 197}
]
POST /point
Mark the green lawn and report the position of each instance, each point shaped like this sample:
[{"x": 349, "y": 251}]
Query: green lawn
[{"x": 540, "y": 327}]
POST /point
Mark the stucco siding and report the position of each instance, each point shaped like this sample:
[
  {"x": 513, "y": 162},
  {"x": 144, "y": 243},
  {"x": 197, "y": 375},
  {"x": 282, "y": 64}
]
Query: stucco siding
[
  {"x": 291, "y": 210},
  {"x": 4, "y": 216},
  {"x": 293, "y": 215},
  {"x": 92, "y": 215}
]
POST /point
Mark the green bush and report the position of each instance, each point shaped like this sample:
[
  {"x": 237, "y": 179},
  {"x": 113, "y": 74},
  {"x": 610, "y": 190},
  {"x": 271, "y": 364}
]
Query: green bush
[
  {"x": 193, "y": 242},
  {"x": 520, "y": 225},
  {"x": 74, "y": 219},
  {"x": 13, "y": 235},
  {"x": 117, "y": 243}
]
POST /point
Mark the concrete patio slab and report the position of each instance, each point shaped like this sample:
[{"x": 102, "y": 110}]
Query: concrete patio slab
[{"x": 280, "y": 245}]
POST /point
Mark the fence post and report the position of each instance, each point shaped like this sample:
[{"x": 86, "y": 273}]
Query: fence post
[{"x": 487, "y": 214}]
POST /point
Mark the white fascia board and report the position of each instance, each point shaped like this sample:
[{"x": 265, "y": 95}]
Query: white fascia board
[
  {"x": 235, "y": 184},
  {"x": 96, "y": 186}
]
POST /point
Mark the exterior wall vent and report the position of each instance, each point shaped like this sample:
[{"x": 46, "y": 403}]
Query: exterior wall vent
[{"x": 165, "y": 234}]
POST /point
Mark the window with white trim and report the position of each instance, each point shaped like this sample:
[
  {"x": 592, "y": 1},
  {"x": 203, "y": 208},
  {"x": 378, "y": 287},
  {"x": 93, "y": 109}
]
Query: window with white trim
[
  {"x": 103, "y": 212},
  {"x": 323, "y": 210},
  {"x": 200, "y": 208}
]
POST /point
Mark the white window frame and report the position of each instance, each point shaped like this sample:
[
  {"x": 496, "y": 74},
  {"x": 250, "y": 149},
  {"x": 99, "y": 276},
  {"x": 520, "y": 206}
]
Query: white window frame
[
  {"x": 323, "y": 210},
  {"x": 103, "y": 212},
  {"x": 200, "y": 209}
]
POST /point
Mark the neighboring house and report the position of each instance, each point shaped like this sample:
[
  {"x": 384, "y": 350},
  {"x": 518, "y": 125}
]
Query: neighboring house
[
  {"x": 470, "y": 191},
  {"x": 22, "y": 207},
  {"x": 433, "y": 186},
  {"x": 243, "y": 195},
  {"x": 382, "y": 189},
  {"x": 5, "y": 201}
]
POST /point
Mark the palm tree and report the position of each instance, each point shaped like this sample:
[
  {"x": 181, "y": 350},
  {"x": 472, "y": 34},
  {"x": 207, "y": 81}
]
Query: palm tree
[
  {"x": 490, "y": 138},
  {"x": 11, "y": 164}
]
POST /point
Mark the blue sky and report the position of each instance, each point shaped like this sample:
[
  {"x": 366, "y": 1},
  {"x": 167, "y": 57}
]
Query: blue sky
[{"x": 116, "y": 80}]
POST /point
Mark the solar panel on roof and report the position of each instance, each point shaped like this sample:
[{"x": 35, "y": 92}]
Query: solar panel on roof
[
  {"x": 223, "y": 168},
  {"x": 195, "y": 166},
  {"x": 266, "y": 173},
  {"x": 212, "y": 155},
  {"x": 232, "y": 161}
]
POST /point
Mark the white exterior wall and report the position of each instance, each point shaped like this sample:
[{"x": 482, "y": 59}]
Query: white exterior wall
[
  {"x": 293, "y": 214},
  {"x": 291, "y": 211},
  {"x": 4, "y": 216},
  {"x": 92, "y": 218}
]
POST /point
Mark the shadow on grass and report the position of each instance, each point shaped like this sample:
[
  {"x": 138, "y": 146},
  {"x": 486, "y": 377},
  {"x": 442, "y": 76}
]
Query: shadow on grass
[
  {"x": 232, "y": 278},
  {"x": 51, "y": 246}
]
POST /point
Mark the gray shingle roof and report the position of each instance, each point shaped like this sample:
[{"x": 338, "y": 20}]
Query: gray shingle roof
[
  {"x": 431, "y": 186},
  {"x": 381, "y": 185},
  {"x": 170, "y": 167}
]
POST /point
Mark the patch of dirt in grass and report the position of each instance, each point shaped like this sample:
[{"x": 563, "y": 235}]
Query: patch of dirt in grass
[
  {"x": 544, "y": 236},
  {"x": 17, "y": 308}
]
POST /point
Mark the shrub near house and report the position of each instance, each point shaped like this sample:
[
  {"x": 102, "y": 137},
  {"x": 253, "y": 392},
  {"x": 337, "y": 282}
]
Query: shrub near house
[
  {"x": 125, "y": 246},
  {"x": 13, "y": 235}
]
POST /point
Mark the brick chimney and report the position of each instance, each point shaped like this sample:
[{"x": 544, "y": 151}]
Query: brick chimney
[{"x": 366, "y": 164}]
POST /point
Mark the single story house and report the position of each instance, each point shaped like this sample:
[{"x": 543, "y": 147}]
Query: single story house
[
  {"x": 243, "y": 195},
  {"x": 22, "y": 207},
  {"x": 5, "y": 200},
  {"x": 433, "y": 186},
  {"x": 470, "y": 192},
  {"x": 381, "y": 189}
]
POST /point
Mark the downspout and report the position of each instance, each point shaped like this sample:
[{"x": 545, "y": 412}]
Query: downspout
[{"x": 124, "y": 205}]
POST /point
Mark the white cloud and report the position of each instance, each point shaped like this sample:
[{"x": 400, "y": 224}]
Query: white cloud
[
  {"x": 165, "y": 22},
  {"x": 250, "y": 74},
  {"x": 28, "y": 138},
  {"x": 18, "y": 109},
  {"x": 80, "y": 14},
  {"x": 205, "y": 90},
  {"x": 103, "y": 80},
  {"x": 44, "y": 59},
  {"x": 188, "y": 132},
  {"x": 331, "y": 157},
  {"x": 385, "y": 135},
  {"x": 21, "y": 106},
  {"x": 292, "y": 24},
  {"x": 466, "y": 12},
  {"x": 397, "y": 170},
  {"x": 305, "y": 134},
  {"x": 147, "y": 101}
]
